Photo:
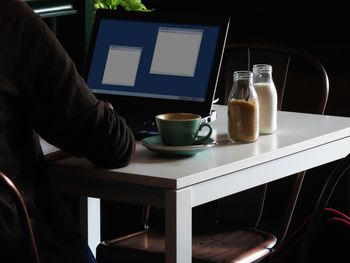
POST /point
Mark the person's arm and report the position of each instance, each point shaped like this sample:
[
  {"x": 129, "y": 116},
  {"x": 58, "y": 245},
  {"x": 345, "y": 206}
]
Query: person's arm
[{"x": 59, "y": 104}]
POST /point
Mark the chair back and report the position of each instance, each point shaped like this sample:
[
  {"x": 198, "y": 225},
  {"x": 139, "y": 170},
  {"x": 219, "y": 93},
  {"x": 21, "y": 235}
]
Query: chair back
[
  {"x": 16, "y": 197},
  {"x": 301, "y": 80}
]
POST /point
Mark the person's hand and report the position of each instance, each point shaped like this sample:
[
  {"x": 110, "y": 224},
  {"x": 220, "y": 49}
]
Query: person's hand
[{"x": 109, "y": 105}]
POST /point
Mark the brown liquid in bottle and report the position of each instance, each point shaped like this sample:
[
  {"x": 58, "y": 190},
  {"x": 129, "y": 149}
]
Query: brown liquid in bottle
[
  {"x": 243, "y": 109},
  {"x": 243, "y": 120}
]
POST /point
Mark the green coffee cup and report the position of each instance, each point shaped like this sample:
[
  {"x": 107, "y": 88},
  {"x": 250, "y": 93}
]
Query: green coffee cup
[{"x": 181, "y": 129}]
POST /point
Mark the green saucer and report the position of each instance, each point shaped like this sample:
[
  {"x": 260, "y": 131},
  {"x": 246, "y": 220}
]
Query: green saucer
[{"x": 155, "y": 144}]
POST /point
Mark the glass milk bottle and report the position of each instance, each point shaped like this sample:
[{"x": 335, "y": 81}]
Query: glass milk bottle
[
  {"x": 243, "y": 109},
  {"x": 267, "y": 95}
]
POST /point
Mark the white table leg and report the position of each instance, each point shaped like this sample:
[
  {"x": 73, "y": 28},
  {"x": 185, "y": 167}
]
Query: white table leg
[
  {"x": 178, "y": 226},
  {"x": 93, "y": 223}
]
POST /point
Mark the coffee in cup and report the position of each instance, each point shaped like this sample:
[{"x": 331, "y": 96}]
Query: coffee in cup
[{"x": 181, "y": 129}]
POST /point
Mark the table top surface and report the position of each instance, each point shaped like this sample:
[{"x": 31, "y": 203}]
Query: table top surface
[{"x": 296, "y": 132}]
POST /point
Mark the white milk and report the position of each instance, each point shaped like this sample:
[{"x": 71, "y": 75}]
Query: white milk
[{"x": 267, "y": 96}]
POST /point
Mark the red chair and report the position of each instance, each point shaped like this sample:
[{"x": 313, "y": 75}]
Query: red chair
[
  {"x": 26, "y": 228},
  {"x": 324, "y": 236}
]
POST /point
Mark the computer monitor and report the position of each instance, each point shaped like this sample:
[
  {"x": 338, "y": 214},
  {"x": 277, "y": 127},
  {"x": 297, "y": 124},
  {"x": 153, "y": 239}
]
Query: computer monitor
[{"x": 146, "y": 63}]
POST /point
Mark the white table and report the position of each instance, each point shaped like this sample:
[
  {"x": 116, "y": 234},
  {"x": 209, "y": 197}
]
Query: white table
[{"x": 302, "y": 141}]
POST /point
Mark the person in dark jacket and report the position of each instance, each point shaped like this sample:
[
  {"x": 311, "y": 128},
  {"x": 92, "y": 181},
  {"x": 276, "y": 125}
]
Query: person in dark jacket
[{"x": 41, "y": 93}]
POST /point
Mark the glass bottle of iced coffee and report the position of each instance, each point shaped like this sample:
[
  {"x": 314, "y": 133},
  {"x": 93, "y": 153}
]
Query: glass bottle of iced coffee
[{"x": 243, "y": 109}]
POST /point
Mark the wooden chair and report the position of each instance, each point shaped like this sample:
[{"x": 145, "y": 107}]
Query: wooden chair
[
  {"x": 227, "y": 235},
  {"x": 214, "y": 244},
  {"x": 302, "y": 86},
  {"x": 17, "y": 199}
]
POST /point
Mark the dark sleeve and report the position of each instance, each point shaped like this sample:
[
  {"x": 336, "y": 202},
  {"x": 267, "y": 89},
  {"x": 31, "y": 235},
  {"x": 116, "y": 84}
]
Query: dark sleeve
[{"x": 59, "y": 104}]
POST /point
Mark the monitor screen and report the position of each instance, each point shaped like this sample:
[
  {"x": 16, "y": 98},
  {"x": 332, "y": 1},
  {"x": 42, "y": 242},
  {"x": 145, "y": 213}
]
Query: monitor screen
[{"x": 153, "y": 59}]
